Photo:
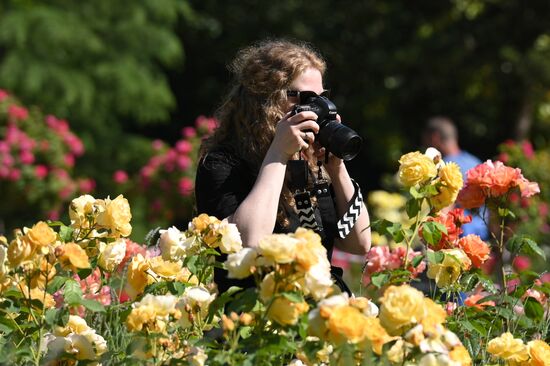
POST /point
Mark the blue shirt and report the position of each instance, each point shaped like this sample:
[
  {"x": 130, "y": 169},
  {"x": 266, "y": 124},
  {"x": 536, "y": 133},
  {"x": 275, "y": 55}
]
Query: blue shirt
[{"x": 467, "y": 161}]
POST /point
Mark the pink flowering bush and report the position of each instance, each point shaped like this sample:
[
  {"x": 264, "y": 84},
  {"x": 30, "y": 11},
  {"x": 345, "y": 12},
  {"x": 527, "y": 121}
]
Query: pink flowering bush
[
  {"x": 37, "y": 156},
  {"x": 167, "y": 181}
]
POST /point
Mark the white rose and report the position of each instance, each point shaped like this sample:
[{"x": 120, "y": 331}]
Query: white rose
[
  {"x": 371, "y": 309},
  {"x": 171, "y": 244},
  {"x": 197, "y": 357},
  {"x": 195, "y": 299},
  {"x": 238, "y": 264},
  {"x": 318, "y": 281},
  {"x": 433, "y": 154},
  {"x": 437, "y": 360},
  {"x": 231, "y": 238},
  {"x": 336, "y": 300},
  {"x": 112, "y": 255}
]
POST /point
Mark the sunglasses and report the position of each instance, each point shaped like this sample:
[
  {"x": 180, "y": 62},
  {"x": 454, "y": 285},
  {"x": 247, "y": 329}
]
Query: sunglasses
[{"x": 304, "y": 95}]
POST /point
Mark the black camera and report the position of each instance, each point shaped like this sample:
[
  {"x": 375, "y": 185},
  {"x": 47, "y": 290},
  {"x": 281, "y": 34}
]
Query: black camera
[{"x": 338, "y": 139}]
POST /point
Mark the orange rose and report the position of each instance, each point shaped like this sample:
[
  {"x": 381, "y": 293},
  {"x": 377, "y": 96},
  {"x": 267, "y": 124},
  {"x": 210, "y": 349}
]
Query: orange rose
[
  {"x": 472, "y": 301},
  {"x": 503, "y": 178},
  {"x": 41, "y": 234},
  {"x": 475, "y": 248},
  {"x": 471, "y": 196}
]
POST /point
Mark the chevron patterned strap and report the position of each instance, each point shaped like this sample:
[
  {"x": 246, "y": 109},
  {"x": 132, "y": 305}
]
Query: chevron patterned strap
[
  {"x": 306, "y": 213},
  {"x": 349, "y": 219}
]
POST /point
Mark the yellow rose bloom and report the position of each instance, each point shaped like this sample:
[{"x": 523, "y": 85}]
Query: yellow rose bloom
[
  {"x": 376, "y": 334},
  {"x": 38, "y": 294},
  {"x": 137, "y": 277},
  {"x": 451, "y": 176},
  {"x": 285, "y": 312},
  {"x": 346, "y": 323},
  {"x": 398, "y": 351},
  {"x": 80, "y": 209},
  {"x": 308, "y": 254},
  {"x": 140, "y": 317},
  {"x": 448, "y": 271},
  {"x": 45, "y": 274},
  {"x": 435, "y": 315},
  {"x": 115, "y": 216},
  {"x": 278, "y": 247},
  {"x": 539, "y": 352},
  {"x": 446, "y": 197},
  {"x": 41, "y": 234},
  {"x": 416, "y": 168},
  {"x": 460, "y": 354},
  {"x": 508, "y": 348},
  {"x": 164, "y": 269},
  {"x": 71, "y": 255},
  {"x": 402, "y": 306},
  {"x": 75, "y": 325},
  {"x": 267, "y": 287},
  {"x": 201, "y": 222},
  {"x": 20, "y": 250}
]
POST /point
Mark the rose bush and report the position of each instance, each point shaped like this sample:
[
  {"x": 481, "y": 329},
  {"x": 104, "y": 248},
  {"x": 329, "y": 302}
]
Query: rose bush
[{"x": 82, "y": 293}]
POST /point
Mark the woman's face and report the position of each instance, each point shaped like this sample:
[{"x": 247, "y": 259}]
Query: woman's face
[{"x": 310, "y": 80}]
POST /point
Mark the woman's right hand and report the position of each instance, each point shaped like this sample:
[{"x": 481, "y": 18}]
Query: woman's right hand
[{"x": 294, "y": 133}]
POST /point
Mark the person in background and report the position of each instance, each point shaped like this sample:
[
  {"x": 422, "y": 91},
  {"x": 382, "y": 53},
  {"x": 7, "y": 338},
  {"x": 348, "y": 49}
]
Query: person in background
[{"x": 441, "y": 133}]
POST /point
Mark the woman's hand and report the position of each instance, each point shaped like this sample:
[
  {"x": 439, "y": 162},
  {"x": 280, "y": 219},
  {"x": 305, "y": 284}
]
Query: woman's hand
[
  {"x": 294, "y": 133},
  {"x": 334, "y": 163}
]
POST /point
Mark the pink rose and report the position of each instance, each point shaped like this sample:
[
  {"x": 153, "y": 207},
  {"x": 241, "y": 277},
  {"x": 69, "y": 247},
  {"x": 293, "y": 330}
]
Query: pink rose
[
  {"x": 184, "y": 147},
  {"x": 188, "y": 132},
  {"x": 185, "y": 186},
  {"x": 17, "y": 113},
  {"x": 41, "y": 171},
  {"x": 120, "y": 177}
]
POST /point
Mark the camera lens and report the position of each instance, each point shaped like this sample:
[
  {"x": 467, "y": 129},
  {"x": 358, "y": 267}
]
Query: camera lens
[{"x": 340, "y": 140}]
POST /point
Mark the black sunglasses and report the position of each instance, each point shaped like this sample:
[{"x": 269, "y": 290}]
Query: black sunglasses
[{"x": 304, "y": 95}]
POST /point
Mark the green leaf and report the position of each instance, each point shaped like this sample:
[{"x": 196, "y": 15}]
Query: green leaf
[
  {"x": 293, "y": 296},
  {"x": 50, "y": 316},
  {"x": 521, "y": 244},
  {"x": 412, "y": 207},
  {"x": 176, "y": 288},
  {"x": 66, "y": 233},
  {"x": 433, "y": 231},
  {"x": 56, "y": 283},
  {"x": 435, "y": 257},
  {"x": 415, "y": 194},
  {"x": 72, "y": 293},
  {"x": 416, "y": 260},
  {"x": 396, "y": 232},
  {"x": 381, "y": 226},
  {"x": 84, "y": 272},
  {"x": 379, "y": 279},
  {"x": 533, "y": 309},
  {"x": 92, "y": 305}
]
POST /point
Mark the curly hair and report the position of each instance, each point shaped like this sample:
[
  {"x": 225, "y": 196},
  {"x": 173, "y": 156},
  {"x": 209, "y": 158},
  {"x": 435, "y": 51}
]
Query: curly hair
[
  {"x": 257, "y": 100},
  {"x": 249, "y": 114}
]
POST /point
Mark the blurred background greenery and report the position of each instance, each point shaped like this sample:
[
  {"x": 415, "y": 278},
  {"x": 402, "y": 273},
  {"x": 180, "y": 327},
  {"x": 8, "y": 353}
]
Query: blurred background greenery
[{"x": 130, "y": 76}]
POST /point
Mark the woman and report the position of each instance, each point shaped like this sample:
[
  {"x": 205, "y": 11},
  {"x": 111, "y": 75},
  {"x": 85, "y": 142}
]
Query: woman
[{"x": 243, "y": 172}]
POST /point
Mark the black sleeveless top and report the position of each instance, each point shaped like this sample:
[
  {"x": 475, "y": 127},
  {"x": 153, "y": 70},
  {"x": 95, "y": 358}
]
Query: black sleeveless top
[{"x": 223, "y": 181}]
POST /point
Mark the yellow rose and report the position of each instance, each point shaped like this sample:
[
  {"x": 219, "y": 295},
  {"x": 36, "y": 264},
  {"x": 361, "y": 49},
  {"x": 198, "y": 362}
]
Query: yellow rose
[
  {"x": 278, "y": 247},
  {"x": 445, "y": 197},
  {"x": 376, "y": 334},
  {"x": 460, "y": 354},
  {"x": 267, "y": 287},
  {"x": 399, "y": 350},
  {"x": 166, "y": 270},
  {"x": 286, "y": 312},
  {"x": 38, "y": 294},
  {"x": 45, "y": 274},
  {"x": 508, "y": 348},
  {"x": 451, "y": 176},
  {"x": 416, "y": 168},
  {"x": 20, "y": 250},
  {"x": 115, "y": 216},
  {"x": 201, "y": 222},
  {"x": 80, "y": 209},
  {"x": 539, "y": 352},
  {"x": 71, "y": 255},
  {"x": 308, "y": 254},
  {"x": 346, "y": 323},
  {"x": 41, "y": 234},
  {"x": 448, "y": 271},
  {"x": 137, "y": 277},
  {"x": 435, "y": 315},
  {"x": 75, "y": 325},
  {"x": 402, "y": 306}
]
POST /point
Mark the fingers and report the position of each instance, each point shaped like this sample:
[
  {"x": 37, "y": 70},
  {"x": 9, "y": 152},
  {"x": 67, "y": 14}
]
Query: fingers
[
  {"x": 302, "y": 116},
  {"x": 308, "y": 125}
]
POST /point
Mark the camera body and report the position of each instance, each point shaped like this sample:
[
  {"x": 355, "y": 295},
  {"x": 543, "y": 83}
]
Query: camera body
[{"x": 338, "y": 139}]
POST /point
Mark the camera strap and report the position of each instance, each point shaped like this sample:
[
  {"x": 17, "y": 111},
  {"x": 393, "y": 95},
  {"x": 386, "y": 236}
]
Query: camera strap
[
  {"x": 298, "y": 170},
  {"x": 351, "y": 216}
]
